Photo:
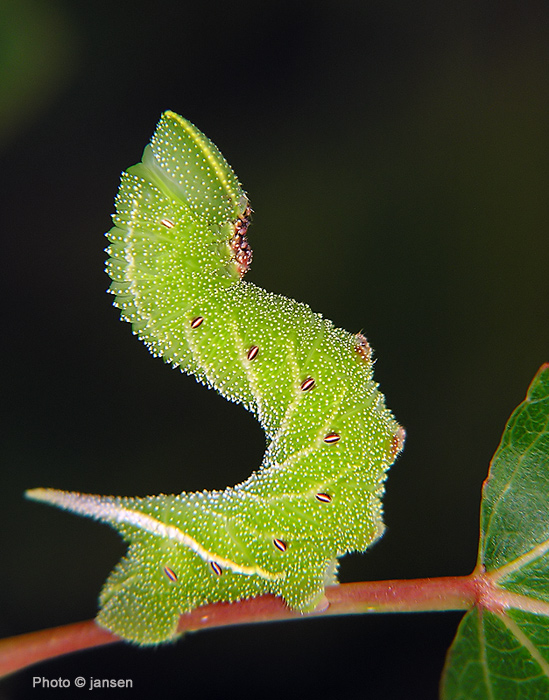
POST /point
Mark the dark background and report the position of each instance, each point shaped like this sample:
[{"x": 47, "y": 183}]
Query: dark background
[{"x": 397, "y": 159}]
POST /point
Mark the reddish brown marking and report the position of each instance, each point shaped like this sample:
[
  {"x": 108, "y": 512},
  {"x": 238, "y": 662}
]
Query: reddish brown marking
[
  {"x": 242, "y": 251},
  {"x": 308, "y": 384},
  {"x": 196, "y": 322},
  {"x": 167, "y": 223},
  {"x": 252, "y": 352},
  {"x": 216, "y": 568},
  {"x": 331, "y": 438},
  {"x": 397, "y": 442},
  {"x": 170, "y": 573},
  {"x": 323, "y": 497},
  {"x": 362, "y": 346},
  {"x": 280, "y": 544}
]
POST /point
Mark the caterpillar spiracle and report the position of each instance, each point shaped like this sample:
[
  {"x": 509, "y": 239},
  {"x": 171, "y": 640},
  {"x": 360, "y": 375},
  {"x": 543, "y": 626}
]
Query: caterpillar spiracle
[{"x": 178, "y": 253}]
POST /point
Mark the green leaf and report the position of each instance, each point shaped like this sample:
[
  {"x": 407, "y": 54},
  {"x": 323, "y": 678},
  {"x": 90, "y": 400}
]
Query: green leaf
[{"x": 501, "y": 649}]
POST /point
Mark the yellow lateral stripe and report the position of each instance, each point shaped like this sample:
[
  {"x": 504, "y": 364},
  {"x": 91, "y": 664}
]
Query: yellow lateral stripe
[
  {"x": 203, "y": 144},
  {"x": 100, "y": 508}
]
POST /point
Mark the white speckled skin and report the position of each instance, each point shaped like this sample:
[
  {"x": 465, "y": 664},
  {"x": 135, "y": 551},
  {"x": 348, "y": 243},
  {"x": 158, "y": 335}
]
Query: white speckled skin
[{"x": 330, "y": 437}]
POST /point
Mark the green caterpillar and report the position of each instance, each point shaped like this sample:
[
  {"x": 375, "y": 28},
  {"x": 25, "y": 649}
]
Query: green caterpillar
[{"x": 178, "y": 253}]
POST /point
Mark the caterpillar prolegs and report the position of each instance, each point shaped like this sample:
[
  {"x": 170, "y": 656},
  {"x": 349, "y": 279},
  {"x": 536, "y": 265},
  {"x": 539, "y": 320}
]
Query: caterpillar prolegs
[{"x": 178, "y": 253}]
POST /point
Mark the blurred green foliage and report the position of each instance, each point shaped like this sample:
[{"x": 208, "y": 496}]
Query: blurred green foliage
[{"x": 38, "y": 55}]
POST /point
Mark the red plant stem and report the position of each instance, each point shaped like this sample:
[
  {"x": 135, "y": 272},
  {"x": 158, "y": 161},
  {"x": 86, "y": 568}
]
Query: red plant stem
[
  {"x": 418, "y": 595},
  {"x": 25, "y": 650}
]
